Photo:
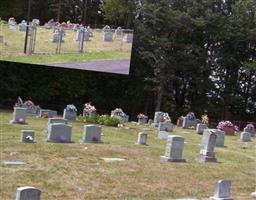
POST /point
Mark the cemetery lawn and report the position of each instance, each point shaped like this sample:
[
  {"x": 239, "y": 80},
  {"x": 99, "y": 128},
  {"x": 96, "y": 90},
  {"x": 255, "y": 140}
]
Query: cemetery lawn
[
  {"x": 67, "y": 58},
  {"x": 96, "y": 49},
  {"x": 141, "y": 176}
]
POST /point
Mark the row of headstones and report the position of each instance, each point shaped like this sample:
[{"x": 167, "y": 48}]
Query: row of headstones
[
  {"x": 20, "y": 115},
  {"x": 59, "y": 130},
  {"x": 175, "y": 144},
  {"x": 164, "y": 128},
  {"x": 23, "y": 25},
  {"x": 85, "y": 34},
  {"x": 221, "y": 192}
]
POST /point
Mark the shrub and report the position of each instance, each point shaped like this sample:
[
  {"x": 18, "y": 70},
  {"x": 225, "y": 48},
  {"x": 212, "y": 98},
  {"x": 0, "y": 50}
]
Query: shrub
[
  {"x": 93, "y": 119},
  {"x": 99, "y": 119},
  {"x": 108, "y": 120}
]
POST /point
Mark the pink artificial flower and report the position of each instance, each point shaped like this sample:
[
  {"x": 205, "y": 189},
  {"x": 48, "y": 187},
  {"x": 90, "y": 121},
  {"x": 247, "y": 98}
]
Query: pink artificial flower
[{"x": 21, "y": 120}]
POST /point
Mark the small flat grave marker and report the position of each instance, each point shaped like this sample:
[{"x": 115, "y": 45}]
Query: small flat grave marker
[
  {"x": 28, "y": 193},
  {"x": 13, "y": 163},
  {"x": 27, "y": 136},
  {"x": 113, "y": 159}
]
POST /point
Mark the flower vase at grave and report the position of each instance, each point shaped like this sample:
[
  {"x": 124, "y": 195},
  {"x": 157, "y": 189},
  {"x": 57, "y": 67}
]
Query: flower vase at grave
[{"x": 229, "y": 130}]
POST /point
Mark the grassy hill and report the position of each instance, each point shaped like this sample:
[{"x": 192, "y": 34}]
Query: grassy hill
[{"x": 76, "y": 171}]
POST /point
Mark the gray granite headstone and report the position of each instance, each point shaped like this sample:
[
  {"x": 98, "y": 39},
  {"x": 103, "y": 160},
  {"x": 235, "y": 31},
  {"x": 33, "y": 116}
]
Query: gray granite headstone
[
  {"x": 150, "y": 121},
  {"x": 200, "y": 128},
  {"x": 187, "y": 123},
  {"x": 107, "y": 36},
  {"x": 128, "y": 38},
  {"x": 122, "y": 119},
  {"x": 119, "y": 31},
  {"x": 57, "y": 120},
  {"x": 58, "y": 132},
  {"x": 250, "y": 130},
  {"x": 165, "y": 126},
  {"x": 174, "y": 149},
  {"x": 92, "y": 133},
  {"x": 163, "y": 135},
  {"x": 159, "y": 117},
  {"x": 220, "y": 140},
  {"x": 69, "y": 115},
  {"x": 47, "y": 113},
  {"x": 142, "y": 138},
  {"x": 28, "y": 193},
  {"x": 27, "y": 136},
  {"x": 142, "y": 121},
  {"x": 207, "y": 153},
  {"x": 222, "y": 190},
  {"x": 79, "y": 35},
  {"x": 19, "y": 115},
  {"x": 245, "y": 137},
  {"x": 23, "y": 26}
]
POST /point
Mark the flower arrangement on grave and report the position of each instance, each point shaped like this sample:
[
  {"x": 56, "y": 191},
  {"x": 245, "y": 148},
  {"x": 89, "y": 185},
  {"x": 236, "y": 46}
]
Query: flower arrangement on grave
[
  {"x": 250, "y": 127},
  {"x": 21, "y": 120},
  {"x": 88, "y": 108},
  {"x": 191, "y": 116},
  {"x": 142, "y": 116},
  {"x": 28, "y": 103},
  {"x": 166, "y": 117},
  {"x": 29, "y": 138},
  {"x": 228, "y": 127},
  {"x": 45, "y": 115},
  {"x": 118, "y": 112},
  {"x": 71, "y": 108},
  {"x": 205, "y": 119}
]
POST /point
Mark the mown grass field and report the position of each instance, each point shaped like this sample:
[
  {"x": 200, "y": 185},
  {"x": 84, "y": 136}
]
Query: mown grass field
[
  {"x": 95, "y": 49},
  {"x": 140, "y": 176}
]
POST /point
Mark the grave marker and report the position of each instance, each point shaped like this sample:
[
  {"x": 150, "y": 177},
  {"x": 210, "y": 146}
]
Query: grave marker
[
  {"x": 28, "y": 193},
  {"x": 59, "y": 132},
  {"x": 245, "y": 137},
  {"x": 19, "y": 116},
  {"x": 207, "y": 153},
  {"x": 92, "y": 133},
  {"x": 174, "y": 149},
  {"x": 142, "y": 138},
  {"x": 27, "y": 136},
  {"x": 222, "y": 190}
]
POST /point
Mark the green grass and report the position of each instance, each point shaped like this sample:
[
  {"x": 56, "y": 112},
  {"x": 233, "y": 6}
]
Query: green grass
[
  {"x": 95, "y": 49},
  {"x": 141, "y": 176},
  {"x": 66, "y": 58}
]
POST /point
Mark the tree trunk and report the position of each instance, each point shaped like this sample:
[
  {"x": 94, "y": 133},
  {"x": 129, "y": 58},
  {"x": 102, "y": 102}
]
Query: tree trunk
[
  {"x": 160, "y": 93},
  {"x": 59, "y": 10}
]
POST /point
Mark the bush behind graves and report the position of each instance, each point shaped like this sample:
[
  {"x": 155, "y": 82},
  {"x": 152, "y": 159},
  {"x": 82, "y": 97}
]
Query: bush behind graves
[{"x": 108, "y": 120}]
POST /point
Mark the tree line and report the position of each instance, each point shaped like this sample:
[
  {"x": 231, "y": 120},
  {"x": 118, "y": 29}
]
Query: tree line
[
  {"x": 98, "y": 12},
  {"x": 188, "y": 55}
]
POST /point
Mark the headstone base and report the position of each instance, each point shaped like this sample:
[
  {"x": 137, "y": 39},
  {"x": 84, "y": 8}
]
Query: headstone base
[
  {"x": 225, "y": 198},
  {"x": 14, "y": 122},
  {"x": 205, "y": 159},
  {"x": 55, "y": 141},
  {"x": 167, "y": 159},
  {"x": 93, "y": 142}
]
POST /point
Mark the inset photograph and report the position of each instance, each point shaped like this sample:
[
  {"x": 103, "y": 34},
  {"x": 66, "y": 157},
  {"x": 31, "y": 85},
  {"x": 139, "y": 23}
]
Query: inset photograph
[{"x": 86, "y": 35}]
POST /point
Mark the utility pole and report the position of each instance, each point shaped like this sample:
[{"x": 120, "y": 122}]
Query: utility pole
[
  {"x": 59, "y": 9},
  {"x": 83, "y": 23},
  {"x": 27, "y": 28}
]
